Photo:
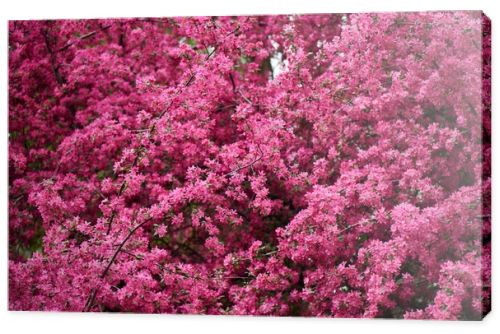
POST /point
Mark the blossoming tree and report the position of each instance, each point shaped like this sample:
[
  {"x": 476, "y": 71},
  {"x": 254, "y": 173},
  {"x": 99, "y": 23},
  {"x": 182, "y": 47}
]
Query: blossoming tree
[{"x": 311, "y": 165}]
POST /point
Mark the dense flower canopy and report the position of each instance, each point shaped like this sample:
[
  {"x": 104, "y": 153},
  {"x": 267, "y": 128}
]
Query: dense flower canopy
[{"x": 312, "y": 165}]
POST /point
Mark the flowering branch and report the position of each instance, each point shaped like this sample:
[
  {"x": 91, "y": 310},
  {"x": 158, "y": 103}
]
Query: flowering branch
[
  {"x": 90, "y": 300},
  {"x": 90, "y": 34}
]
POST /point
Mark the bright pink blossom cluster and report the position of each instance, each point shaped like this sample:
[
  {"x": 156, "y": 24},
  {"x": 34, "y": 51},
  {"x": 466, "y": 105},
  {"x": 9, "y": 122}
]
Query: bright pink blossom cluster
[{"x": 310, "y": 165}]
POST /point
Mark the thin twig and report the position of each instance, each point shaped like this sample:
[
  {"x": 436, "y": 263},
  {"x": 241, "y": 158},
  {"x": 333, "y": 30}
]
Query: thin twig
[
  {"x": 354, "y": 225},
  {"x": 245, "y": 98},
  {"x": 261, "y": 155},
  {"x": 137, "y": 257},
  {"x": 91, "y": 299},
  {"x": 90, "y": 34},
  {"x": 271, "y": 252},
  {"x": 18, "y": 198}
]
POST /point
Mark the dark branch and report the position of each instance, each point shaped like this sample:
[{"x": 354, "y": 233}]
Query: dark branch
[
  {"x": 91, "y": 298},
  {"x": 253, "y": 162},
  {"x": 232, "y": 82},
  {"x": 90, "y": 34},
  {"x": 52, "y": 55}
]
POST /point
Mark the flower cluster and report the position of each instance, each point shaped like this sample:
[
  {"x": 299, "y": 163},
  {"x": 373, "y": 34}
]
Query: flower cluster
[{"x": 307, "y": 165}]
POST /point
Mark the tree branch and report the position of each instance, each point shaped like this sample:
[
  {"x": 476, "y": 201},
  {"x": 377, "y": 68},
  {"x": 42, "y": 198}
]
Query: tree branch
[
  {"x": 91, "y": 298},
  {"x": 261, "y": 155},
  {"x": 52, "y": 55},
  {"x": 354, "y": 225},
  {"x": 90, "y": 34}
]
